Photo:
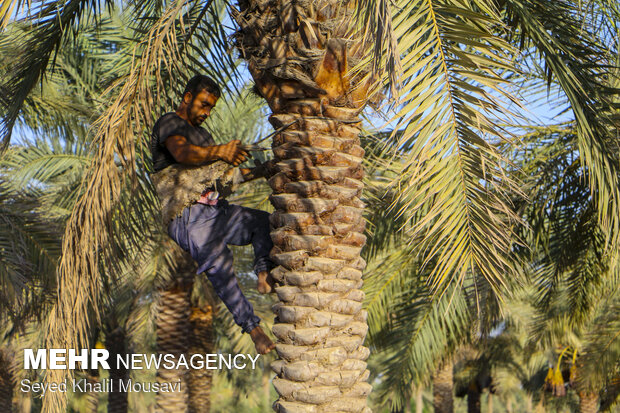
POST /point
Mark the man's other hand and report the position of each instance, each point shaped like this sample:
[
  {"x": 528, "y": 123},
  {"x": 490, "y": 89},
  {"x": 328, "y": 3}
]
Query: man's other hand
[
  {"x": 232, "y": 153},
  {"x": 266, "y": 169}
]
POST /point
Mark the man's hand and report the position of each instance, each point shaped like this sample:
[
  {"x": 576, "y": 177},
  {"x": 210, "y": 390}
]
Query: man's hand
[
  {"x": 261, "y": 170},
  {"x": 266, "y": 169},
  {"x": 262, "y": 342},
  {"x": 232, "y": 153}
]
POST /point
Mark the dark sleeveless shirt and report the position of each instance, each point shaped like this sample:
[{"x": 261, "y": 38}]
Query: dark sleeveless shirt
[{"x": 172, "y": 124}]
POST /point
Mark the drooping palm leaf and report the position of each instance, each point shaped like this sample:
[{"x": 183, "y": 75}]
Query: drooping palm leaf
[
  {"x": 101, "y": 206},
  {"x": 567, "y": 243},
  {"x": 29, "y": 250},
  {"x": 450, "y": 107},
  {"x": 421, "y": 330},
  {"x": 8, "y": 9},
  {"x": 600, "y": 364},
  {"x": 53, "y": 24},
  {"x": 584, "y": 63}
]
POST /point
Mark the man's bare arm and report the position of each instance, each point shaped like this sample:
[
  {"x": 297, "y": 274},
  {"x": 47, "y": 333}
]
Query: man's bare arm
[{"x": 189, "y": 154}]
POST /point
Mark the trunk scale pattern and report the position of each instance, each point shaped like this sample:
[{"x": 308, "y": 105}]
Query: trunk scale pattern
[
  {"x": 117, "y": 345},
  {"x": 299, "y": 53},
  {"x": 442, "y": 389},
  {"x": 588, "y": 402},
  {"x": 172, "y": 332},
  {"x": 202, "y": 340}
]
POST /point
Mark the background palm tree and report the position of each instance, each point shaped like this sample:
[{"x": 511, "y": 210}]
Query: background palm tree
[{"x": 574, "y": 276}]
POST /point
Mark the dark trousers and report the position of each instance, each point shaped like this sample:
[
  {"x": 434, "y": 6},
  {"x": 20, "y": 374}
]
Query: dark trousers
[{"x": 206, "y": 230}]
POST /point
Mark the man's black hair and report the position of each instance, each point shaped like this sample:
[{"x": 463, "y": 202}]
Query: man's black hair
[{"x": 199, "y": 83}]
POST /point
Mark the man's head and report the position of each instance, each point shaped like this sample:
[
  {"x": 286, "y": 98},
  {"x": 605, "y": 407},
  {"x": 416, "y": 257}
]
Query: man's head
[{"x": 199, "y": 97}]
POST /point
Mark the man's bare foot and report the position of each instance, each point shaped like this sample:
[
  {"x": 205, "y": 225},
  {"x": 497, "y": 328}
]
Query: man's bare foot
[
  {"x": 261, "y": 341},
  {"x": 266, "y": 283}
]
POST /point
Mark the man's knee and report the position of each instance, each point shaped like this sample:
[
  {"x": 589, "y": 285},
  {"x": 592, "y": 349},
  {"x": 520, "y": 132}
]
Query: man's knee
[
  {"x": 178, "y": 233},
  {"x": 254, "y": 217}
]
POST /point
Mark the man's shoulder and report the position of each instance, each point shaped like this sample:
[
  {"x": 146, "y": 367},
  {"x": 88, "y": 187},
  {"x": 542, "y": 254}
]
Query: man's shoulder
[
  {"x": 172, "y": 124},
  {"x": 166, "y": 118},
  {"x": 169, "y": 124}
]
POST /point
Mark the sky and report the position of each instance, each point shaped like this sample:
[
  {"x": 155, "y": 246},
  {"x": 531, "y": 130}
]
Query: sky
[{"x": 538, "y": 109}]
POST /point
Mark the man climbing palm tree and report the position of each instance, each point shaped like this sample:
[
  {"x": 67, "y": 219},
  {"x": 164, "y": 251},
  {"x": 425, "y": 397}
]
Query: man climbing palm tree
[{"x": 192, "y": 174}]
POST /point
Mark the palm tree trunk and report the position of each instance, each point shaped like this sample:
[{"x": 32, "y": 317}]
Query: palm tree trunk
[
  {"x": 320, "y": 324},
  {"x": 202, "y": 340},
  {"x": 473, "y": 400},
  {"x": 7, "y": 382},
  {"x": 92, "y": 398},
  {"x": 298, "y": 54},
  {"x": 116, "y": 345},
  {"x": 419, "y": 399},
  {"x": 442, "y": 388},
  {"x": 172, "y": 332},
  {"x": 588, "y": 402}
]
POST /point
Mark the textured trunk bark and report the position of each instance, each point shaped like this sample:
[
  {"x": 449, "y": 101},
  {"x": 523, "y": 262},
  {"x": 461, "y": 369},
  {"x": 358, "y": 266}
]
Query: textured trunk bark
[
  {"x": 202, "y": 340},
  {"x": 92, "y": 398},
  {"x": 318, "y": 222},
  {"x": 172, "y": 333},
  {"x": 318, "y": 226},
  {"x": 588, "y": 402},
  {"x": 116, "y": 345},
  {"x": 298, "y": 53},
  {"x": 7, "y": 382},
  {"x": 442, "y": 388},
  {"x": 473, "y": 401}
]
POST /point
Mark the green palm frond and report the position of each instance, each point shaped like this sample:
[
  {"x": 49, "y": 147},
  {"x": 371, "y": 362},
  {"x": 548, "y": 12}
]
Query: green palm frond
[
  {"x": 600, "y": 364},
  {"x": 567, "y": 243},
  {"x": 238, "y": 117},
  {"x": 450, "y": 106},
  {"x": 387, "y": 276},
  {"x": 384, "y": 225},
  {"x": 208, "y": 46},
  {"x": 375, "y": 19},
  {"x": 422, "y": 330},
  {"x": 567, "y": 46},
  {"x": 29, "y": 250},
  {"x": 54, "y": 23},
  {"x": 10, "y": 8},
  {"x": 41, "y": 163}
]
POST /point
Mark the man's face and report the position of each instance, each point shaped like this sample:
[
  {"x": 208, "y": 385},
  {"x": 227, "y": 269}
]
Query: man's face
[{"x": 199, "y": 108}]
